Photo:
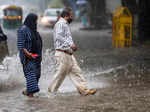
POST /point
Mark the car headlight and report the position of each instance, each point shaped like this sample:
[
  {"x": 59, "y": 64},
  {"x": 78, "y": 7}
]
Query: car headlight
[{"x": 44, "y": 20}]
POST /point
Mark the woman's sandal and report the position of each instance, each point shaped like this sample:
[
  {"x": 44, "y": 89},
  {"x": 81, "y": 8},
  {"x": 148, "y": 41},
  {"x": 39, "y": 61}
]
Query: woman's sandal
[{"x": 27, "y": 94}]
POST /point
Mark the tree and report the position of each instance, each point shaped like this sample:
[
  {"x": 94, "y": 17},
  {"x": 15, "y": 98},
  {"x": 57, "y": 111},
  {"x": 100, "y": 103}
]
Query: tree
[
  {"x": 144, "y": 20},
  {"x": 97, "y": 13},
  {"x": 131, "y": 4},
  {"x": 66, "y": 3},
  {"x": 55, "y": 3}
]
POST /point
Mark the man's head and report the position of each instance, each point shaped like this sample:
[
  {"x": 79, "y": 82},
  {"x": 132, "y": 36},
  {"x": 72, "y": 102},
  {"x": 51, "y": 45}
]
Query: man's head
[{"x": 67, "y": 14}]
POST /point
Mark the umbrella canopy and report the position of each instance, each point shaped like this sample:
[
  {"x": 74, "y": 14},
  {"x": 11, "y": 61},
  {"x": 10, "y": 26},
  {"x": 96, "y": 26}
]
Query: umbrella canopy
[{"x": 81, "y": 2}]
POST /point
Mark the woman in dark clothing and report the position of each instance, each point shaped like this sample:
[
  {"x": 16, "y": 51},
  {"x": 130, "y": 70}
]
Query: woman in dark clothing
[
  {"x": 30, "y": 51},
  {"x": 3, "y": 37}
]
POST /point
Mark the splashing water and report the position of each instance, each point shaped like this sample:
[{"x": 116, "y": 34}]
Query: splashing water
[{"x": 11, "y": 74}]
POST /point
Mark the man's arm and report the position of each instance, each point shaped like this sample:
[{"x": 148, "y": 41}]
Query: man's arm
[{"x": 69, "y": 39}]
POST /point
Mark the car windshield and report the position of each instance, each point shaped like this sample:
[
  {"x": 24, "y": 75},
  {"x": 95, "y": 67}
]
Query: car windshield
[{"x": 51, "y": 13}]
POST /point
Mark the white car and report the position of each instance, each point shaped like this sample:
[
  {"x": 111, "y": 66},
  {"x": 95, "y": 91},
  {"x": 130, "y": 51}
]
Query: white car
[{"x": 49, "y": 17}]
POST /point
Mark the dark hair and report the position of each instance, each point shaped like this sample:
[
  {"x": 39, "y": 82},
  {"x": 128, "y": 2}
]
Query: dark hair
[{"x": 66, "y": 12}]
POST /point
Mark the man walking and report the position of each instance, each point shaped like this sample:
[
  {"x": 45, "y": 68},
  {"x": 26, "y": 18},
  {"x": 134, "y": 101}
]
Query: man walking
[{"x": 66, "y": 62}]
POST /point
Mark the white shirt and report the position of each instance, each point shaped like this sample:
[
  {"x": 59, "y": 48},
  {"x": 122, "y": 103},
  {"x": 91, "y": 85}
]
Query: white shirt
[{"x": 62, "y": 36}]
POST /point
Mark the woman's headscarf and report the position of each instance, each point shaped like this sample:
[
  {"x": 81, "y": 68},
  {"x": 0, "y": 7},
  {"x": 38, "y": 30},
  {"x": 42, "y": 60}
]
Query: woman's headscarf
[{"x": 31, "y": 21}]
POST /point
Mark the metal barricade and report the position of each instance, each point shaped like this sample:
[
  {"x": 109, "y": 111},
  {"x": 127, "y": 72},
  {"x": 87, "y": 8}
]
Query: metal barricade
[{"x": 122, "y": 28}]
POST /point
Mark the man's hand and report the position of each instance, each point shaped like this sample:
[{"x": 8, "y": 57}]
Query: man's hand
[{"x": 74, "y": 48}]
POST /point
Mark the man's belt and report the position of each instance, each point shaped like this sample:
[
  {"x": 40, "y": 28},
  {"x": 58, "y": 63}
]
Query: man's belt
[{"x": 64, "y": 51}]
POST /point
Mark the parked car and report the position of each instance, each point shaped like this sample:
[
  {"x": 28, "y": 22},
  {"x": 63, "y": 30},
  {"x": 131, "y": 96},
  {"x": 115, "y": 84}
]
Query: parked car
[{"x": 49, "y": 18}]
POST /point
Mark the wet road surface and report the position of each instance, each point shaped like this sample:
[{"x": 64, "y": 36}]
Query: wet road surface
[{"x": 120, "y": 75}]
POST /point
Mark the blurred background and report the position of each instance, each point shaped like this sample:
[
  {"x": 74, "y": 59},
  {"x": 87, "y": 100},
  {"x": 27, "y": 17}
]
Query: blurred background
[{"x": 92, "y": 13}]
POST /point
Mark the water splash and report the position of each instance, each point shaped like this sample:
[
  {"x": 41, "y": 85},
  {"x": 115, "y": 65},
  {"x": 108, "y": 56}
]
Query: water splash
[
  {"x": 12, "y": 75},
  {"x": 11, "y": 72}
]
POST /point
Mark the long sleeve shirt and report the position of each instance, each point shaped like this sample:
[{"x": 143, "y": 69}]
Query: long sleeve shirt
[
  {"x": 26, "y": 40},
  {"x": 62, "y": 36}
]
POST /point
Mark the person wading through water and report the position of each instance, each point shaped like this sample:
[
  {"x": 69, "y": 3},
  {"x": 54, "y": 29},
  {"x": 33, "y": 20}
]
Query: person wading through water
[
  {"x": 66, "y": 62},
  {"x": 30, "y": 52}
]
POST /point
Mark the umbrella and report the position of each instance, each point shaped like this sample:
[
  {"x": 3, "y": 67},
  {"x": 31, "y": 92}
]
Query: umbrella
[{"x": 81, "y": 2}]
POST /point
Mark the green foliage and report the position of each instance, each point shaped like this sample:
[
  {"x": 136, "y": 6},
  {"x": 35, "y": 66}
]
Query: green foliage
[{"x": 55, "y": 4}]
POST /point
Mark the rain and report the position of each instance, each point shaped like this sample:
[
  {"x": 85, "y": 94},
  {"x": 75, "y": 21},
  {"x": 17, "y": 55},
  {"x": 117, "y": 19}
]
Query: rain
[{"x": 117, "y": 68}]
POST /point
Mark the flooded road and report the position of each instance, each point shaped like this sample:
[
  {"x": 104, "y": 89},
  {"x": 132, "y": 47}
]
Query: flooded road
[{"x": 120, "y": 75}]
